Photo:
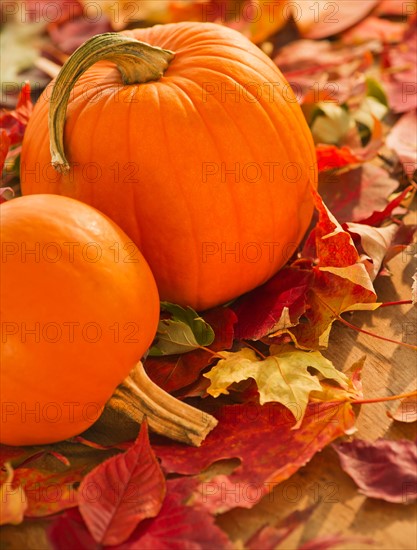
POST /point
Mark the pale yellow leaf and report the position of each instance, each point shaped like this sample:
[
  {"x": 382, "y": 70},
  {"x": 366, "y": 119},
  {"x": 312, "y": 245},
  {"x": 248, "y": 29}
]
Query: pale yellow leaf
[
  {"x": 282, "y": 377},
  {"x": 13, "y": 500}
]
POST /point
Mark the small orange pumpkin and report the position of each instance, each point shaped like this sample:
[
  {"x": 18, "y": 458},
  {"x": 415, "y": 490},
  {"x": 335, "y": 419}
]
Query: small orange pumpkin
[
  {"x": 79, "y": 308},
  {"x": 201, "y": 154}
]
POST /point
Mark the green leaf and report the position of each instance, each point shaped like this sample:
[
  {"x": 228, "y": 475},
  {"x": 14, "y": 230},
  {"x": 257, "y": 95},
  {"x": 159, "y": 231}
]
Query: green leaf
[
  {"x": 374, "y": 89},
  {"x": 184, "y": 332}
]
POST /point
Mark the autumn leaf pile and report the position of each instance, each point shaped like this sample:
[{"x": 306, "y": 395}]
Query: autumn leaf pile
[{"x": 258, "y": 364}]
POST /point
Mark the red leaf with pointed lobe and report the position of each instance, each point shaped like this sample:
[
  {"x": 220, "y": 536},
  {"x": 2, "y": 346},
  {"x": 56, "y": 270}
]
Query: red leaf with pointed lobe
[
  {"x": 330, "y": 157},
  {"x": 262, "y": 438},
  {"x": 260, "y": 311},
  {"x": 332, "y": 245},
  {"x": 15, "y": 122},
  {"x": 383, "y": 469},
  {"x": 176, "y": 527},
  {"x": 355, "y": 195},
  {"x": 4, "y": 150},
  {"x": 126, "y": 489},
  {"x": 378, "y": 218}
]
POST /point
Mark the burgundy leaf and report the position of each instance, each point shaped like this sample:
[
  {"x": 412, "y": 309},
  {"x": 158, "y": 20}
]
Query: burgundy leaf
[
  {"x": 263, "y": 439},
  {"x": 377, "y": 218},
  {"x": 176, "y": 527},
  {"x": 374, "y": 28},
  {"x": 69, "y": 34},
  {"x": 121, "y": 492},
  {"x": 320, "y": 19},
  {"x": 320, "y": 71},
  {"x": 268, "y": 537},
  {"x": 384, "y": 469},
  {"x": 403, "y": 140},
  {"x": 358, "y": 193},
  {"x": 400, "y": 82},
  {"x": 70, "y": 531},
  {"x": 260, "y": 311}
]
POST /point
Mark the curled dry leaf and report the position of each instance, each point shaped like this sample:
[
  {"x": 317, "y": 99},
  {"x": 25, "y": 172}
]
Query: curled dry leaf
[
  {"x": 383, "y": 469},
  {"x": 375, "y": 241},
  {"x": 13, "y": 503},
  {"x": 406, "y": 411},
  {"x": 340, "y": 282}
]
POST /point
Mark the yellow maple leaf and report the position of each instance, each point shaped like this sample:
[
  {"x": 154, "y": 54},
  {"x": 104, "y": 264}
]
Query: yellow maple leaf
[{"x": 282, "y": 377}]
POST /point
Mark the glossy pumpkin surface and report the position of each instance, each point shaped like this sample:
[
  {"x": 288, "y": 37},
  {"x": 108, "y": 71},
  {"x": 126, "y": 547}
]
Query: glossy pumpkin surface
[
  {"x": 207, "y": 169},
  {"x": 79, "y": 307}
]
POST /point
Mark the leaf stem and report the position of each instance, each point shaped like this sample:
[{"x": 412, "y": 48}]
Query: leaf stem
[
  {"x": 399, "y": 303},
  {"x": 382, "y": 399},
  {"x": 213, "y": 353},
  {"x": 255, "y": 350},
  {"x": 354, "y": 327}
]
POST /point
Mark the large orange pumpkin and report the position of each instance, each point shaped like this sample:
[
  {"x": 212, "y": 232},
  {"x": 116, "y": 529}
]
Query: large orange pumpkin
[
  {"x": 79, "y": 307},
  {"x": 205, "y": 161}
]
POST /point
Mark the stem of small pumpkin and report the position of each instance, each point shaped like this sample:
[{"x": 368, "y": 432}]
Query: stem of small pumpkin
[
  {"x": 138, "y": 397},
  {"x": 137, "y": 62}
]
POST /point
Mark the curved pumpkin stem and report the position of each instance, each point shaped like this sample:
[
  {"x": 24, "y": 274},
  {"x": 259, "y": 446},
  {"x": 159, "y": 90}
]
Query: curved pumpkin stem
[
  {"x": 137, "y": 62},
  {"x": 138, "y": 397}
]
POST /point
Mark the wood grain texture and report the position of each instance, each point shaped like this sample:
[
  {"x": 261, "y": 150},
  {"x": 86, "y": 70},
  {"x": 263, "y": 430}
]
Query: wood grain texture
[{"x": 389, "y": 369}]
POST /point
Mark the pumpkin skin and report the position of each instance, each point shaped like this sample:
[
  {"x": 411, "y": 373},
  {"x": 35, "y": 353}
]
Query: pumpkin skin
[
  {"x": 158, "y": 158},
  {"x": 92, "y": 318}
]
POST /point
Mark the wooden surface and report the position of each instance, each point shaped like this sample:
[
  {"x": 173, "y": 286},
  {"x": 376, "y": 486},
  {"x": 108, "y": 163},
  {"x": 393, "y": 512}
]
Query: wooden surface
[{"x": 389, "y": 369}]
